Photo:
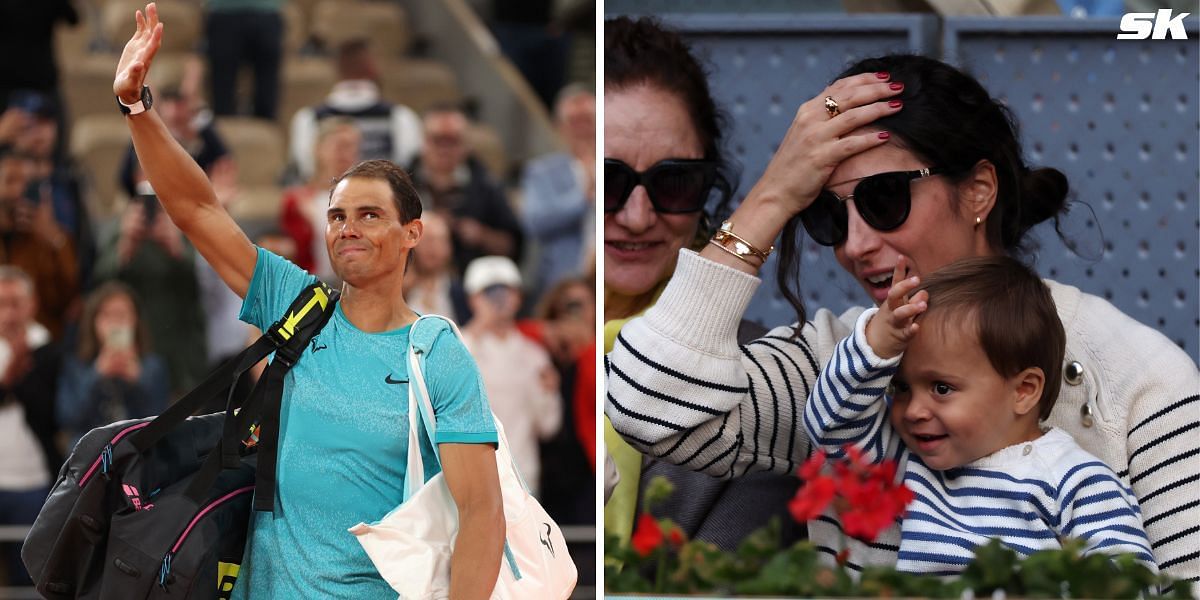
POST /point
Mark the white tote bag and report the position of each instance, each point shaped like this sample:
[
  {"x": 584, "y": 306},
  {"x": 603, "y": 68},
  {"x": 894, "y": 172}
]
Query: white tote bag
[{"x": 411, "y": 545}]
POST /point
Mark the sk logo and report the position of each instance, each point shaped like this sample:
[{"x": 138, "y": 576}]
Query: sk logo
[
  {"x": 315, "y": 347},
  {"x": 545, "y": 538}
]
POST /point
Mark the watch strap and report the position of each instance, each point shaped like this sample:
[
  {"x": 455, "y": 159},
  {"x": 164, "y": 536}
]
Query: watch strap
[{"x": 136, "y": 108}]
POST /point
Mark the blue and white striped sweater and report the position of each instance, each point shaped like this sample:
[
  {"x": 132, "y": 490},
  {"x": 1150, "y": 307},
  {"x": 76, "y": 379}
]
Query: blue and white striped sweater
[{"x": 1030, "y": 495}]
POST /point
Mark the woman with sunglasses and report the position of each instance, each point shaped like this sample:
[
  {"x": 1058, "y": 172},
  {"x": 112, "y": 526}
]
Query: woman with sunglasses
[
  {"x": 900, "y": 156},
  {"x": 663, "y": 162}
]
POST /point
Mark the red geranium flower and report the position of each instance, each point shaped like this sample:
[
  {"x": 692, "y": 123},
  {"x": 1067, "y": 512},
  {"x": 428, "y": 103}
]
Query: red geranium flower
[
  {"x": 870, "y": 498},
  {"x": 812, "y": 467},
  {"x": 675, "y": 536},
  {"x": 811, "y": 500},
  {"x": 646, "y": 536}
]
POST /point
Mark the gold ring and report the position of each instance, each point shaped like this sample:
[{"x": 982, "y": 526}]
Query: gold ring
[{"x": 831, "y": 107}]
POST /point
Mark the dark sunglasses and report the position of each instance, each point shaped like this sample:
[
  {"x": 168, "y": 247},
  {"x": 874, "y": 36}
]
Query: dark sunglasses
[
  {"x": 674, "y": 186},
  {"x": 883, "y": 201}
]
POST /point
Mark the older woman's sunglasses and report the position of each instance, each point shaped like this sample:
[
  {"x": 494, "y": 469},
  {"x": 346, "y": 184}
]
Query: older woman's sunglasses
[
  {"x": 883, "y": 201},
  {"x": 674, "y": 186}
]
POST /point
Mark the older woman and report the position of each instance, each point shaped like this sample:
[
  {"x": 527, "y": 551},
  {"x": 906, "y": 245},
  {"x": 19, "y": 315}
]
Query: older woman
[
  {"x": 900, "y": 156},
  {"x": 662, "y": 162}
]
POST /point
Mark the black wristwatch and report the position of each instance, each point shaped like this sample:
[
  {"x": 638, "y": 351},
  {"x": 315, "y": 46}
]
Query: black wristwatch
[{"x": 138, "y": 107}]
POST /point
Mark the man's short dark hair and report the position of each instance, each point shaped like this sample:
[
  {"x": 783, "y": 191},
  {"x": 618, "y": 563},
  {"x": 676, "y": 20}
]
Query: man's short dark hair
[
  {"x": 408, "y": 203},
  {"x": 1013, "y": 314}
]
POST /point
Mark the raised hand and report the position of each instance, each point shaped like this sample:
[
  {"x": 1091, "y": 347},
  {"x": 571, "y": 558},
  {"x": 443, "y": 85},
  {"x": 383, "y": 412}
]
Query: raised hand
[
  {"x": 138, "y": 54},
  {"x": 890, "y": 330},
  {"x": 818, "y": 140}
]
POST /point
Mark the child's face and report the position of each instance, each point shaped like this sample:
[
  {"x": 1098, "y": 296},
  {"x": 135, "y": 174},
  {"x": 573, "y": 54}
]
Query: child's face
[{"x": 950, "y": 406}]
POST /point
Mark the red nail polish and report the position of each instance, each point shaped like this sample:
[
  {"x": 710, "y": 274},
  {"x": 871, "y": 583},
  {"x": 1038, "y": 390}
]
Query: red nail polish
[
  {"x": 895, "y": 103},
  {"x": 883, "y": 135},
  {"x": 896, "y": 85},
  {"x": 883, "y": 75}
]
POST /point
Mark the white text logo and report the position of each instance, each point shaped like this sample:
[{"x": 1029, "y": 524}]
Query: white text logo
[{"x": 1139, "y": 26}]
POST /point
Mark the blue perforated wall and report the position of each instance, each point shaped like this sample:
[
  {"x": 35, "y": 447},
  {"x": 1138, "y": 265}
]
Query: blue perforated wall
[{"x": 1121, "y": 119}]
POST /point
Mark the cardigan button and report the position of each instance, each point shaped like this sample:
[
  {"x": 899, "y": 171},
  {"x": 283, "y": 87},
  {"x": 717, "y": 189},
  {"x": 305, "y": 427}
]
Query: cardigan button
[
  {"x": 1073, "y": 373},
  {"x": 1027, "y": 450},
  {"x": 1085, "y": 415}
]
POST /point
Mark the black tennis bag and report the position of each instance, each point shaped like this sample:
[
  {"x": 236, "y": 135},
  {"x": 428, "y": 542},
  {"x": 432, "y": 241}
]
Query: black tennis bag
[{"x": 158, "y": 507}]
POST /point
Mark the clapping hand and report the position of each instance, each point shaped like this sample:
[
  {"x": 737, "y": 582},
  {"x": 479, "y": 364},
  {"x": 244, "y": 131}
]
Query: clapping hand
[
  {"x": 137, "y": 56},
  {"x": 890, "y": 330}
]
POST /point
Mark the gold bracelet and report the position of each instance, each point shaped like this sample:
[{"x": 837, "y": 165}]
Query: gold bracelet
[
  {"x": 741, "y": 247},
  {"x": 734, "y": 254}
]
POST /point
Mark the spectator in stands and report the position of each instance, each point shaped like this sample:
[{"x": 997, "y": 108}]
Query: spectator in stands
[
  {"x": 456, "y": 184},
  {"x": 194, "y": 132},
  {"x": 559, "y": 191},
  {"x": 31, "y": 239},
  {"x": 239, "y": 32},
  {"x": 430, "y": 284},
  {"x": 565, "y": 325},
  {"x": 29, "y": 458},
  {"x": 303, "y": 213},
  {"x": 389, "y": 131},
  {"x": 112, "y": 375},
  {"x": 148, "y": 253},
  {"x": 509, "y": 362},
  {"x": 54, "y": 181}
]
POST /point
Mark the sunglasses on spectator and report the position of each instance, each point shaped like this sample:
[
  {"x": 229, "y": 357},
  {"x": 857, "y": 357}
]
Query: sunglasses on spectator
[
  {"x": 883, "y": 201},
  {"x": 674, "y": 185}
]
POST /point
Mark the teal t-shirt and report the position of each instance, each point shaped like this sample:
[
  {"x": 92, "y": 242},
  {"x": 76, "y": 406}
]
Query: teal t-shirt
[{"x": 343, "y": 443}]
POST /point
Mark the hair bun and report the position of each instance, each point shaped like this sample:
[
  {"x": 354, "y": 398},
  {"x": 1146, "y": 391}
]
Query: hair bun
[{"x": 1043, "y": 195}]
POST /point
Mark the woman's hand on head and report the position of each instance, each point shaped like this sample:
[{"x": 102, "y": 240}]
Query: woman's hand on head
[
  {"x": 890, "y": 330},
  {"x": 816, "y": 142},
  {"x": 138, "y": 54}
]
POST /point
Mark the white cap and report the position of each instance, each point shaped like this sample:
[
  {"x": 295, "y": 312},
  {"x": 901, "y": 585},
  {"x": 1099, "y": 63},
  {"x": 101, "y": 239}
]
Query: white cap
[{"x": 487, "y": 271}]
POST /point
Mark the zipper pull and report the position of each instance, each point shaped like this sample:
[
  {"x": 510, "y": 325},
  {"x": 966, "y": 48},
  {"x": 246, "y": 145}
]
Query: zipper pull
[
  {"x": 165, "y": 570},
  {"x": 105, "y": 459}
]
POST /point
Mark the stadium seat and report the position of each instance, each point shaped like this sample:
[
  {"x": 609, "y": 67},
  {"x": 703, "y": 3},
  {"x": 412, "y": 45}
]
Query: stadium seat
[
  {"x": 305, "y": 81},
  {"x": 98, "y": 144},
  {"x": 385, "y": 24},
  {"x": 257, "y": 148},
  {"x": 257, "y": 203},
  {"x": 418, "y": 83},
  {"x": 185, "y": 19}
]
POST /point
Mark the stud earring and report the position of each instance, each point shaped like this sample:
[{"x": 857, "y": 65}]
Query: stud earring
[{"x": 978, "y": 220}]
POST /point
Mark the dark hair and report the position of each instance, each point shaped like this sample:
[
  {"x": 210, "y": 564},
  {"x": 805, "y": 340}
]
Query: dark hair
[
  {"x": 643, "y": 52},
  {"x": 89, "y": 344},
  {"x": 352, "y": 58},
  {"x": 950, "y": 121},
  {"x": 408, "y": 203},
  {"x": 1013, "y": 314}
]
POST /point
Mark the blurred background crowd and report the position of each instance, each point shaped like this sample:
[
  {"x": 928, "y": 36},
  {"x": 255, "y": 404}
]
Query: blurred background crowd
[{"x": 107, "y": 312}]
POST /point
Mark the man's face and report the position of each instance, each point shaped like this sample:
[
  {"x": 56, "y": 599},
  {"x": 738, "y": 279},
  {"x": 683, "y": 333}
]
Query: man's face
[
  {"x": 16, "y": 308},
  {"x": 363, "y": 235},
  {"x": 445, "y": 141}
]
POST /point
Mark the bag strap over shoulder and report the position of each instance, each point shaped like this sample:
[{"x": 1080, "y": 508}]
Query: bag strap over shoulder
[
  {"x": 421, "y": 413},
  {"x": 307, "y": 315},
  {"x": 421, "y": 416},
  {"x": 287, "y": 338}
]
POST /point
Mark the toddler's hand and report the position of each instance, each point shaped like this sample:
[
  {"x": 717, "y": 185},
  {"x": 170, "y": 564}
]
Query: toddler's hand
[{"x": 890, "y": 330}]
